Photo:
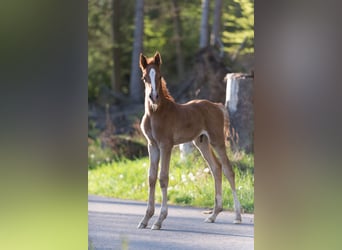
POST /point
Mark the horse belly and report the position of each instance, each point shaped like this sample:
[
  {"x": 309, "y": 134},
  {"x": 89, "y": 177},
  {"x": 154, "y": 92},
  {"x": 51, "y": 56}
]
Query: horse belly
[{"x": 180, "y": 137}]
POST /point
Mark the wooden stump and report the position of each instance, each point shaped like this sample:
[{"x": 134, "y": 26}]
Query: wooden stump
[{"x": 239, "y": 102}]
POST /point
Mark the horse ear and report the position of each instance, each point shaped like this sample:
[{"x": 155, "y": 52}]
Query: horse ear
[
  {"x": 157, "y": 59},
  {"x": 143, "y": 61}
]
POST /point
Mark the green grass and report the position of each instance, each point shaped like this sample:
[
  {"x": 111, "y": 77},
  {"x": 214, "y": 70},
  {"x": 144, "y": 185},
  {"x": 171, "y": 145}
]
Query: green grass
[{"x": 190, "y": 182}]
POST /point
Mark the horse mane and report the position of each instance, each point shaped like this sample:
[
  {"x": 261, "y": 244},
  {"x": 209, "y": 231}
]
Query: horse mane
[{"x": 165, "y": 91}]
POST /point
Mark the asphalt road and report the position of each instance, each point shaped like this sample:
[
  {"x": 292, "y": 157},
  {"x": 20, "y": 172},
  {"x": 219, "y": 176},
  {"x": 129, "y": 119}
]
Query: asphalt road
[{"x": 112, "y": 225}]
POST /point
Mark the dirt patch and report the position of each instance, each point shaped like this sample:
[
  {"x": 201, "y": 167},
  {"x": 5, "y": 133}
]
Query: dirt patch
[{"x": 126, "y": 147}]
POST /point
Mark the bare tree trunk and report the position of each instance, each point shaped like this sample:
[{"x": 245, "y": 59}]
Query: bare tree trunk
[
  {"x": 135, "y": 85},
  {"x": 204, "y": 31},
  {"x": 239, "y": 102},
  {"x": 116, "y": 73},
  {"x": 215, "y": 35},
  {"x": 178, "y": 38}
]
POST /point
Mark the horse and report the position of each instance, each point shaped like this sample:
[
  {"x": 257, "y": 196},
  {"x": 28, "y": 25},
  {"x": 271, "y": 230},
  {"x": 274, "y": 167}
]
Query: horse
[{"x": 166, "y": 124}]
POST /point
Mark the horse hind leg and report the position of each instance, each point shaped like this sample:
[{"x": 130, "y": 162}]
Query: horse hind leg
[
  {"x": 202, "y": 143},
  {"x": 230, "y": 175}
]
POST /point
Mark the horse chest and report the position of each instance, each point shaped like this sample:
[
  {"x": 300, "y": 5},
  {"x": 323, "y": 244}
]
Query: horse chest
[
  {"x": 159, "y": 129},
  {"x": 155, "y": 129}
]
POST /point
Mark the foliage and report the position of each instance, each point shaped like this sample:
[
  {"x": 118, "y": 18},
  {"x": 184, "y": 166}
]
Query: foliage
[
  {"x": 190, "y": 182},
  {"x": 98, "y": 46},
  {"x": 114, "y": 148},
  {"x": 100, "y": 61},
  {"x": 237, "y": 20},
  {"x": 98, "y": 155},
  {"x": 238, "y": 24}
]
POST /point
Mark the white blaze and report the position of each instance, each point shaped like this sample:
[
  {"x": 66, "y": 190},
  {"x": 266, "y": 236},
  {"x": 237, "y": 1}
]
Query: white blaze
[{"x": 153, "y": 83}]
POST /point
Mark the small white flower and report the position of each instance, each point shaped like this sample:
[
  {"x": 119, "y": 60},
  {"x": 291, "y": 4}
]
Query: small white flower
[
  {"x": 92, "y": 156},
  {"x": 206, "y": 170},
  {"x": 191, "y": 176},
  {"x": 121, "y": 176}
]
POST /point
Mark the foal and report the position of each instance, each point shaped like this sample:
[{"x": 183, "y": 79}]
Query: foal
[{"x": 166, "y": 123}]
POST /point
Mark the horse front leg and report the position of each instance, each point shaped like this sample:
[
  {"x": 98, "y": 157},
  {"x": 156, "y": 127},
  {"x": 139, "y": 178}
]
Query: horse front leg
[
  {"x": 165, "y": 152},
  {"x": 153, "y": 151}
]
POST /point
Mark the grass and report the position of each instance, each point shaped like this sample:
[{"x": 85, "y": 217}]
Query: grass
[{"x": 190, "y": 181}]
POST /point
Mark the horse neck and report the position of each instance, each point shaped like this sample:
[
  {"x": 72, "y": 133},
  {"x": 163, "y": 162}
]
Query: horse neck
[{"x": 164, "y": 92}]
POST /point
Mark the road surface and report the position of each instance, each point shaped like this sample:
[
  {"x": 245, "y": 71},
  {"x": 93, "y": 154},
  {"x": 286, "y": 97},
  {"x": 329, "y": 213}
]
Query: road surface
[{"x": 112, "y": 225}]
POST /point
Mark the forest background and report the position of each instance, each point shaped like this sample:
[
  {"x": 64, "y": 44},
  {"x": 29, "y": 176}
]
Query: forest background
[
  {"x": 200, "y": 42},
  {"x": 177, "y": 29}
]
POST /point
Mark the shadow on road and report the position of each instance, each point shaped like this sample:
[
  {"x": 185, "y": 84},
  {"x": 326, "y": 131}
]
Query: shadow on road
[
  {"x": 112, "y": 220},
  {"x": 207, "y": 233}
]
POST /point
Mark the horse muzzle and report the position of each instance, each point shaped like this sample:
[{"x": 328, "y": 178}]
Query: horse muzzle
[{"x": 154, "y": 98}]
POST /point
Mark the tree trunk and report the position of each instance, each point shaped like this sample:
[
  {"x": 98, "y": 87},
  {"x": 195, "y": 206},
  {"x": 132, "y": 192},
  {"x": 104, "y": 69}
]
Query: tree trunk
[
  {"x": 116, "y": 73},
  {"x": 178, "y": 38},
  {"x": 204, "y": 31},
  {"x": 215, "y": 35},
  {"x": 239, "y": 101},
  {"x": 135, "y": 85}
]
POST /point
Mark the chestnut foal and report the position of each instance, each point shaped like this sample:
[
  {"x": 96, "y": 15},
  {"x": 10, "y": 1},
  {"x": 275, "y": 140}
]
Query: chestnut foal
[{"x": 166, "y": 123}]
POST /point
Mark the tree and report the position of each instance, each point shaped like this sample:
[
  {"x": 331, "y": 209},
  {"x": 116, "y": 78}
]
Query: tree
[
  {"x": 238, "y": 27},
  {"x": 204, "y": 30},
  {"x": 116, "y": 50},
  {"x": 215, "y": 34},
  {"x": 135, "y": 85},
  {"x": 99, "y": 47},
  {"x": 170, "y": 28},
  {"x": 177, "y": 37}
]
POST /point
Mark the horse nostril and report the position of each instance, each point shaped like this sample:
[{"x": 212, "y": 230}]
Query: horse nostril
[
  {"x": 157, "y": 96},
  {"x": 151, "y": 96}
]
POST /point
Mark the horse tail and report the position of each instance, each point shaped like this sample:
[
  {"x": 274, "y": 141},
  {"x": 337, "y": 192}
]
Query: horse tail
[
  {"x": 226, "y": 124},
  {"x": 231, "y": 137}
]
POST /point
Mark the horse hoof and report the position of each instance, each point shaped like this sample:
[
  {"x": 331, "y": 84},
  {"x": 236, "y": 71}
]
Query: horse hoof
[
  {"x": 155, "y": 227},
  {"x": 237, "y": 221},
  {"x": 209, "y": 220},
  {"x": 141, "y": 226}
]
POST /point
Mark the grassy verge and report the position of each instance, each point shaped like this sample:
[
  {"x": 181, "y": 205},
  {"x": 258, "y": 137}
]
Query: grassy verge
[{"x": 190, "y": 181}]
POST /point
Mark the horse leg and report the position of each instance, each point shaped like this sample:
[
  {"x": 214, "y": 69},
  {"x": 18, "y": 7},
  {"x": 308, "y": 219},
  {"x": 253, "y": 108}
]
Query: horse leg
[
  {"x": 216, "y": 170},
  {"x": 230, "y": 175},
  {"x": 153, "y": 151},
  {"x": 165, "y": 152}
]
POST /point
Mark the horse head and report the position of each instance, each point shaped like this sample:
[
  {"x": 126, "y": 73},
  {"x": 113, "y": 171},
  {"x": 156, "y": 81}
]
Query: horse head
[{"x": 152, "y": 78}]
